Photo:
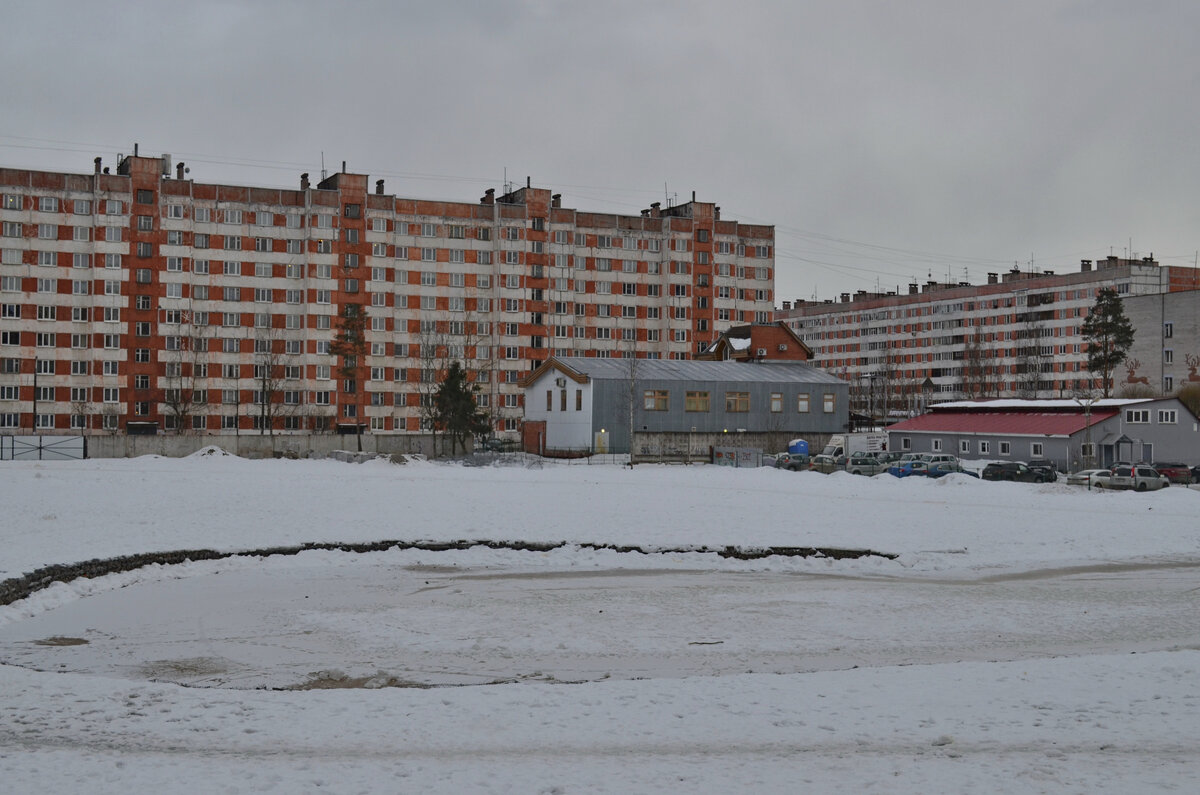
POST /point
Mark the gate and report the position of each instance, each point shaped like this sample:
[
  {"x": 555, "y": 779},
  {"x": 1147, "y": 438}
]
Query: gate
[{"x": 42, "y": 448}]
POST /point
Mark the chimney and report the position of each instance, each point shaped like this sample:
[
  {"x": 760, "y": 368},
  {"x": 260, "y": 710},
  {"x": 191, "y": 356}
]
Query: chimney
[
  {"x": 556, "y": 200},
  {"x": 656, "y": 209},
  {"x": 343, "y": 166},
  {"x": 527, "y": 182},
  {"x": 378, "y": 187},
  {"x": 845, "y": 298},
  {"x": 912, "y": 288},
  {"x": 716, "y": 213},
  {"x": 97, "y": 162},
  {"x": 693, "y": 195},
  {"x": 993, "y": 278},
  {"x": 489, "y": 196},
  {"x": 179, "y": 170},
  {"x": 787, "y": 305},
  {"x": 1085, "y": 265},
  {"x": 304, "y": 181},
  {"x": 135, "y": 148}
]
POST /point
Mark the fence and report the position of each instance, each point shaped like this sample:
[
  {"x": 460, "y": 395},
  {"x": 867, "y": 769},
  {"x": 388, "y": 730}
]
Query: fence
[{"x": 42, "y": 448}]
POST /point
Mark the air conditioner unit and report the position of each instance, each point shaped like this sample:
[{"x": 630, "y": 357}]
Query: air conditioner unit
[
  {"x": 560, "y": 381},
  {"x": 783, "y": 346},
  {"x": 762, "y": 352}
]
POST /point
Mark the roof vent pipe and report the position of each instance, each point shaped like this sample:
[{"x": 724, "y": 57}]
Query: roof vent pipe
[
  {"x": 304, "y": 181},
  {"x": 97, "y": 162},
  {"x": 379, "y": 187}
]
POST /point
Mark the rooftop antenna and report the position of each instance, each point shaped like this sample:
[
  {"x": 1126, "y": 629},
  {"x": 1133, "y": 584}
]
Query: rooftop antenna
[{"x": 323, "y": 174}]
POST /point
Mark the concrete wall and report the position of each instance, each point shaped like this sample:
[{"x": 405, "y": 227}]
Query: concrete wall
[{"x": 256, "y": 446}]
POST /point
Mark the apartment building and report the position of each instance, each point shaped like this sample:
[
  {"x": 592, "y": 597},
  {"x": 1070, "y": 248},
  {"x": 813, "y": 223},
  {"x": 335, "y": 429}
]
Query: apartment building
[
  {"x": 1016, "y": 336},
  {"x": 145, "y": 301}
]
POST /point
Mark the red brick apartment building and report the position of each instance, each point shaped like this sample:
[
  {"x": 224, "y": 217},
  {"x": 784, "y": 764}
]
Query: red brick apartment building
[
  {"x": 145, "y": 301},
  {"x": 1018, "y": 335}
]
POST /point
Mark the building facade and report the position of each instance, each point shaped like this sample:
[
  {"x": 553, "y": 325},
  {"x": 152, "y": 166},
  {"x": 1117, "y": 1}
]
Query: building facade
[
  {"x": 144, "y": 299},
  {"x": 1019, "y": 335},
  {"x": 1165, "y": 356},
  {"x": 589, "y": 404},
  {"x": 1074, "y": 434}
]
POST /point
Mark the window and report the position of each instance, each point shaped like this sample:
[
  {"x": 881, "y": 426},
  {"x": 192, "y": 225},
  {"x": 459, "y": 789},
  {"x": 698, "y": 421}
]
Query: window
[
  {"x": 655, "y": 400},
  {"x": 1167, "y": 417},
  {"x": 937, "y": 445},
  {"x": 737, "y": 402},
  {"x": 48, "y": 231},
  {"x": 1137, "y": 416},
  {"x": 1005, "y": 448},
  {"x": 828, "y": 403},
  {"x": 1168, "y": 330},
  {"x": 964, "y": 446},
  {"x": 696, "y": 401},
  {"x": 776, "y": 402},
  {"x": 985, "y": 448},
  {"x": 231, "y": 293}
]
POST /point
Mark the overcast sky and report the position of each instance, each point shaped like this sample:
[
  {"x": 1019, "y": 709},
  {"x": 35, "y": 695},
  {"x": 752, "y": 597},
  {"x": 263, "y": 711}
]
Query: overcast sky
[{"x": 885, "y": 141}]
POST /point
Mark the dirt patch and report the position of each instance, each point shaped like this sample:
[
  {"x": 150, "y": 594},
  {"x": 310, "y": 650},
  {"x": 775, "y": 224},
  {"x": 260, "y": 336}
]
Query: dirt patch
[
  {"x": 61, "y": 641},
  {"x": 189, "y": 667},
  {"x": 336, "y": 680}
]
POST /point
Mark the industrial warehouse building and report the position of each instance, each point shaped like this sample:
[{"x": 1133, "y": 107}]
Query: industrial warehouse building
[
  {"x": 142, "y": 299},
  {"x": 676, "y": 409}
]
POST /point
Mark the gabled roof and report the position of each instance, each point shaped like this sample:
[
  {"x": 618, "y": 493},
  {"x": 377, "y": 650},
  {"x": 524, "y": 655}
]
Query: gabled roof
[
  {"x": 740, "y": 339},
  {"x": 583, "y": 369},
  {"x": 1005, "y": 423}
]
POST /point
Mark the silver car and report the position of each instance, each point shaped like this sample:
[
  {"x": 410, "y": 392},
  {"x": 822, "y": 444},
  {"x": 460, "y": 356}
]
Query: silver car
[{"x": 1138, "y": 477}]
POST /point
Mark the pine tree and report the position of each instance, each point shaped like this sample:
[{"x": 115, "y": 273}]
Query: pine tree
[
  {"x": 351, "y": 346},
  {"x": 454, "y": 408},
  {"x": 1109, "y": 336}
]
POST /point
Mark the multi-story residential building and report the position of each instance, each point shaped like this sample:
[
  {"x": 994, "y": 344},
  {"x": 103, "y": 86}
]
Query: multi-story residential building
[
  {"x": 1165, "y": 356},
  {"x": 1016, "y": 336},
  {"x": 143, "y": 301}
]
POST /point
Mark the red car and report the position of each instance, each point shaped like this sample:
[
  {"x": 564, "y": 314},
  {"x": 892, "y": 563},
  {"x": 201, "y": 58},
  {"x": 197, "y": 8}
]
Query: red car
[{"x": 1176, "y": 473}]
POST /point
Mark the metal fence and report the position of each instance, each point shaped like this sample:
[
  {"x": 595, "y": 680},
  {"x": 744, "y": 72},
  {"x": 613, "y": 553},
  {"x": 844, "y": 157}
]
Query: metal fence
[{"x": 42, "y": 448}]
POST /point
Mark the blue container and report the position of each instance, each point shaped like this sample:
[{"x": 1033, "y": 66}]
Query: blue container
[{"x": 798, "y": 446}]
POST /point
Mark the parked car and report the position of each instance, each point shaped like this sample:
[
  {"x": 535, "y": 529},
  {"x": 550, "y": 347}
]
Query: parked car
[
  {"x": 904, "y": 469},
  {"x": 865, "y": 464},
  {"x": 825, "y": 463},
  {"x": 1093, "y": 478},
  {"x": 1138, "y": 477},
  {"x": 793, "y": 462},
  {"x": 497, "y": 444},
  {"x": 943, "y": 468},
  {"x": 1176, "y": 473},
  {"x": 1048, "y": 467},
  {"x": 1015, "y": 471},
  {"x": 939, "y": 458}
]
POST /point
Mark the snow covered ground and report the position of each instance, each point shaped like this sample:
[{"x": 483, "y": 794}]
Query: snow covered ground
[{"x": 1026, "y": 638}]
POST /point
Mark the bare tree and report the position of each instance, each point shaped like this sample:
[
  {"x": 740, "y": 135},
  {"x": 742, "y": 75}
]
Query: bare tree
[
  {"x": 974, "y": 376},
  {"x": 181, "y": 368},
  {"x": 350, "y": 346},
  {"x": 270, "y": 398}
]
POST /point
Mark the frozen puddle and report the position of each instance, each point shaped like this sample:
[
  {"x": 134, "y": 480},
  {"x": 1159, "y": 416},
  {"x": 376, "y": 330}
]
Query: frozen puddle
[{"x": 284, "y": 624}]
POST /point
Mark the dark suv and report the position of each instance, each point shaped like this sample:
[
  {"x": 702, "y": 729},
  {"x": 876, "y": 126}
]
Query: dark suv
[
  {"x": 1017, "y": 471},
  {"x": 1048, "y": 468}
]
